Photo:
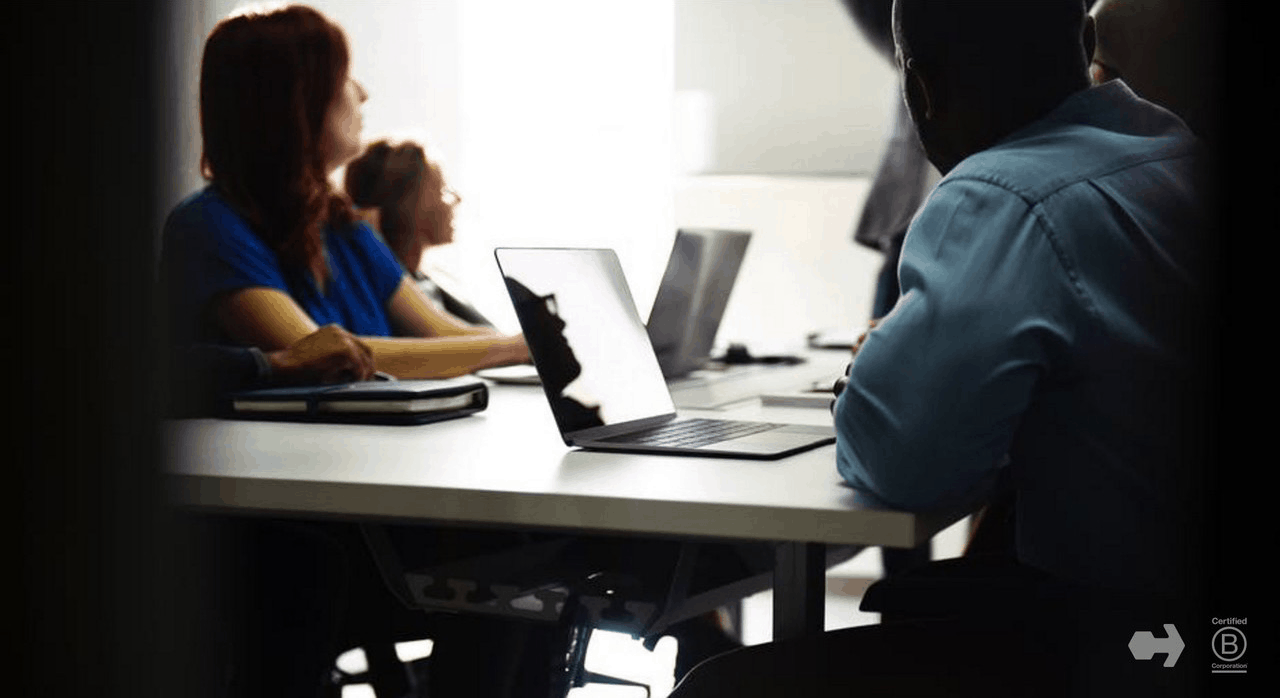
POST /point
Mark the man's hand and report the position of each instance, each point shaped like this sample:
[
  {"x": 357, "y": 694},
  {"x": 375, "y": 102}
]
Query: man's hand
[
  {"x": 863, "y": 337},
  {"x": 842, "y": 381},
  {"x": 328, "y": 355}
]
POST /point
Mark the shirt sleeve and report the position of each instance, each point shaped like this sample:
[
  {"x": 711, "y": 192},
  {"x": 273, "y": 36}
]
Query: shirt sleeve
[
  {"x": 204, "y": 374},
  {"x": 383, "y": 269},
  {"x": 217, "y": 251},
  {"x": 936, "y": 391}
]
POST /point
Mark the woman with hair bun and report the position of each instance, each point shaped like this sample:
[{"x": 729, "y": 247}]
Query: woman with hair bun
[
  {"x": 403, "y": 194},
  {"x": 269, "y": 251}
]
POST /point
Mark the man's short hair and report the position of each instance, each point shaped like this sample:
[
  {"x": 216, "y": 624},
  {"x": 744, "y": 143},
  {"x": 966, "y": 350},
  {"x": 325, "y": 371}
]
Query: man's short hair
[{"x": 980, "y": 41}]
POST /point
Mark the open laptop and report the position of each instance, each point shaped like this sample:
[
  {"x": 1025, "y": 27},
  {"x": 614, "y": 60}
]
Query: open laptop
[
  {"x": 692, "y": 297},
  {"x": 600, "y": 373},
  {"x": 688, "y": 307}
]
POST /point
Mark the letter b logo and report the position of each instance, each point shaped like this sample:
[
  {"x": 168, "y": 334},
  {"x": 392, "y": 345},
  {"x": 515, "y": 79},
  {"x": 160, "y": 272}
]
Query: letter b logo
[{"x": 1229, "y": 644}]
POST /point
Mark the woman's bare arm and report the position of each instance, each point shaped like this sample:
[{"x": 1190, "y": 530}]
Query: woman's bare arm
[
  {"x": 415, "y": 315},
  {"x": 269, "y": 319}
]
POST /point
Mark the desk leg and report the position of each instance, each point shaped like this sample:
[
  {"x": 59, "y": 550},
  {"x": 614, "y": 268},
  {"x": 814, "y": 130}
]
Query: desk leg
[{"x": 799, "y": 590}]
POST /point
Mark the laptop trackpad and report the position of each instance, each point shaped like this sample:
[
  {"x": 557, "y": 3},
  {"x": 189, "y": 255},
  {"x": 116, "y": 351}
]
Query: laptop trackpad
[{"x": 777, "y": 440}]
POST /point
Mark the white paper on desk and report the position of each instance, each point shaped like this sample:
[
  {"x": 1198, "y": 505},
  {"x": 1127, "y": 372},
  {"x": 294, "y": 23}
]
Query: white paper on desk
[
  {"x": 519, "y": 374},
  {"x": 805, "y": 399}
]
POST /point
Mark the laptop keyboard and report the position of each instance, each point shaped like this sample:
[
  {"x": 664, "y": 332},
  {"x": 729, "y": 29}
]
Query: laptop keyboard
[{"x": 692, "y": 433}]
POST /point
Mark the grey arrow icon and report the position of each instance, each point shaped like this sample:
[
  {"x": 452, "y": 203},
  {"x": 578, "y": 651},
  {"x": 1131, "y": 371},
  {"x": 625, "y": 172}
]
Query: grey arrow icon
[{"x": 1144, "y": 645}]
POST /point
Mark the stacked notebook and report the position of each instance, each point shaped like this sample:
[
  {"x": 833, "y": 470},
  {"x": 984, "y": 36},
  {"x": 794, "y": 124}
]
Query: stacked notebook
[{"x": 366, "y": 402}]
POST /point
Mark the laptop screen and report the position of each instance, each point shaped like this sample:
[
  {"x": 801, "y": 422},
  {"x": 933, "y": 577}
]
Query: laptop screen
[
  {"x": 692, "y": 297},
  {"x": 591, "y": 349}
]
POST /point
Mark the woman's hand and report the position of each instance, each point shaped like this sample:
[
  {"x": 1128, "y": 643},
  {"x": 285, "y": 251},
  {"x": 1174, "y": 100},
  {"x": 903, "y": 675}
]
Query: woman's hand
[{"x": 328, "y": 355}]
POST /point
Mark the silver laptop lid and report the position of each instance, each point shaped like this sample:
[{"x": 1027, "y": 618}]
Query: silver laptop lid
[
  {"x": 588, "y": 343},
  {"x": 693, "y": 295}
]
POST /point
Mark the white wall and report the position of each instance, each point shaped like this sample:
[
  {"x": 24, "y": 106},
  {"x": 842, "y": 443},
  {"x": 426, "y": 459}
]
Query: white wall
[
  {"x": 189, "y": 23},
  {"x": 566, "y": 134},
  {"x": 802, "y": 272},
  {"x": 764, "y": 86},
  {"x": 786, "y": 87},
  {"x": 405, "y": 53}
]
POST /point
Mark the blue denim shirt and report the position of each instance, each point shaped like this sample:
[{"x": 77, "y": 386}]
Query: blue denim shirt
[{"x": 1047, "y": 286}]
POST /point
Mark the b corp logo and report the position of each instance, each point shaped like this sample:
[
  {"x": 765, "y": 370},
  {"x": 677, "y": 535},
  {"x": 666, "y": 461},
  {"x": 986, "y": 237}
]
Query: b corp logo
[{"x": 1229, "y": 644}]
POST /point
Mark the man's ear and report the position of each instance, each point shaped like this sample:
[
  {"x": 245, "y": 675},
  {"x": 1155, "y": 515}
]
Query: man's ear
[{"x": 920, "y": 99}]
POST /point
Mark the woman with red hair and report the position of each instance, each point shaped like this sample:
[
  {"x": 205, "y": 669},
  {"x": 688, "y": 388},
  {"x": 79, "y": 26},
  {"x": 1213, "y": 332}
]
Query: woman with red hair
[
  {"x": 270, "y": 250},
  {"x": 263, "y": 256}
]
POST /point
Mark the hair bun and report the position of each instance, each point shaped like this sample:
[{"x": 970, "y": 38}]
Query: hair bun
[{"x": 365, "y": 174}]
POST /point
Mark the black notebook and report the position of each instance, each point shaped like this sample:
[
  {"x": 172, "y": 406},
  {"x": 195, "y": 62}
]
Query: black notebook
[{"x": 367, "y": 402}]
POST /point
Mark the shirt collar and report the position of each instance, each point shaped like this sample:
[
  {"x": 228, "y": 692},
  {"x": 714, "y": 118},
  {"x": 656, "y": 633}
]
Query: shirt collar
[{"x": 1115, "y": 107}]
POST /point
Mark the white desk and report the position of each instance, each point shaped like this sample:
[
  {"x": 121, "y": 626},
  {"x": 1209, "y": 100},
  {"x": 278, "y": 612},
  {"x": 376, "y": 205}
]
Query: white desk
[{"x": 507, "y": 467}]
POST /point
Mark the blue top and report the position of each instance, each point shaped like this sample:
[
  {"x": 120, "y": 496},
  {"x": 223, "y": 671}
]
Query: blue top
[
  {"x": 1046, "y": 283},
  {"x": 210, "y": 249}
]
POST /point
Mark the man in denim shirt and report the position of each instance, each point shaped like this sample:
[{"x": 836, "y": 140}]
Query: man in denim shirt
[
  {"x": 1051, "y": 287},
  {"x": 1048, "y": 339}
]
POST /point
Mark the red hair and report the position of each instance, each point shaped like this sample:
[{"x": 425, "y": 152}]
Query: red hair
[{"x": 267, "y": 82}]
